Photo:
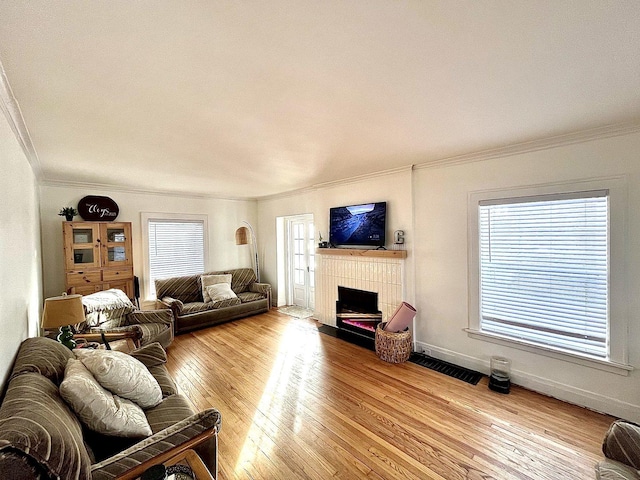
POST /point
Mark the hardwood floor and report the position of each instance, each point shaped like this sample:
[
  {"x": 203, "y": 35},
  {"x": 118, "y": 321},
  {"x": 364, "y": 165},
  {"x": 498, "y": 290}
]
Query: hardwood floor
[{"x": 296, "y": 403}]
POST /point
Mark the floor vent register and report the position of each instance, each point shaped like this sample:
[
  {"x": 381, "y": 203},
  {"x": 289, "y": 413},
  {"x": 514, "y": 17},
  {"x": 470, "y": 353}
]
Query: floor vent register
[{"x": 440, "y": 366}]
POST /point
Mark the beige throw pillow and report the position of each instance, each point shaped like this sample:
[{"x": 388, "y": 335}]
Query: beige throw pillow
[
  {"x": 99, "y": 409},
  {"x": 208, "y": 280},
  {"x": 220, "y": 291},
  {"x": 123, "y": 375}
]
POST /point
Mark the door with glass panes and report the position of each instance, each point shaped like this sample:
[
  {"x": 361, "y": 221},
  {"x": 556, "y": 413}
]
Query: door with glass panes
[{"x": 302, "y": 261}]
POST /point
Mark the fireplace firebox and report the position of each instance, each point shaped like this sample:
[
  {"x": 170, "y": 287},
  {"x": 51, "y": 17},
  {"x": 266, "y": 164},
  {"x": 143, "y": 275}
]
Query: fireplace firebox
[{"x": 357, "y": 316}]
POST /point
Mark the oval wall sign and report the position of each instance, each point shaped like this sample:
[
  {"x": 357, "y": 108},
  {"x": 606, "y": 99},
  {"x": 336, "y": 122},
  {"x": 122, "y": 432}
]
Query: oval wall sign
[{"x": 96, "y": 208}]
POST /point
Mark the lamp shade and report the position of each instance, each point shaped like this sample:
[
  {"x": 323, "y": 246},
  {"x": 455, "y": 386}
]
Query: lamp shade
[
  {"x": 242, "y": 236},
  {"x": 62, "y": 311}
]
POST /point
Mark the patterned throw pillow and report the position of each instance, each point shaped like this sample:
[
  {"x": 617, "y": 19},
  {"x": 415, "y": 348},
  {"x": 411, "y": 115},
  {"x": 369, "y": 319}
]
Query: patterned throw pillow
[
  {"x": 220, "y": 291},
  {"x": 208, "y": 280},
  {"x": 122, "y": 374},
  {"x": 98, "y": 409}
]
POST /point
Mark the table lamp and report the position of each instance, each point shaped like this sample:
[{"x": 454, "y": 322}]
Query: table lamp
[{"x": 61, "y": 312}]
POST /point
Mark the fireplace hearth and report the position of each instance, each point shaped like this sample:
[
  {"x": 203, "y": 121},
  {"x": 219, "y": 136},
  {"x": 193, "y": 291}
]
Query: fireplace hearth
[{"x": 357, "y": 316}]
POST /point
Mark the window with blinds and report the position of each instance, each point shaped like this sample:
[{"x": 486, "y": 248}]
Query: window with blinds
[
  {"x": 544, "y": 270},
  {"x": 176, "y": 247}
]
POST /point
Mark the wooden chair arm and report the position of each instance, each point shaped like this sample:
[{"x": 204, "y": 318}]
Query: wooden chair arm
[
  {"x": 136, "y": 471},
  {"x": 135, "y": 335}
]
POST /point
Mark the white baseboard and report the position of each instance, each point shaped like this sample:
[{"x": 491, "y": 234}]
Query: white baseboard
[{"x": 566, "y": 393}]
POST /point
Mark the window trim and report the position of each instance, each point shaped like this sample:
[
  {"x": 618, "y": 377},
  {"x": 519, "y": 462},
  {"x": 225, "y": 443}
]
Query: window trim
[
  {"x": 618, "y": 300},
  {"x": 145, "y": 217}
]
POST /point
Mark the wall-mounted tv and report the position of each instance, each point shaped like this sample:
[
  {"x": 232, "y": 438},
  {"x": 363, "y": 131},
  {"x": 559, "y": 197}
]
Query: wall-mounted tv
[{"x": 358, "y": 225}]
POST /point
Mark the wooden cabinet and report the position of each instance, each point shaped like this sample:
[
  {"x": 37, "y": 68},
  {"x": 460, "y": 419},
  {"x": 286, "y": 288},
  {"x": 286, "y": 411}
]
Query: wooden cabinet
[{"x": 97, "y": 256}]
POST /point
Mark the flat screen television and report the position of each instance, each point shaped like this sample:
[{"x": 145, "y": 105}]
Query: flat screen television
[{"x": 358, "y": 225}]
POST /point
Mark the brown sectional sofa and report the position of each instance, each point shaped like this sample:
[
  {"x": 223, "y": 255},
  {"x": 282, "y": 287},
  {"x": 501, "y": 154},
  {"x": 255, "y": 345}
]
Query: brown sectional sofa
[
  {"x": 184, "y": 296},
  {"x": 41, "y": 437}
]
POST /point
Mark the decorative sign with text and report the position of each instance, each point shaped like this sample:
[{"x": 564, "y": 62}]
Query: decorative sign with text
[{"x": 96, "y": 208}]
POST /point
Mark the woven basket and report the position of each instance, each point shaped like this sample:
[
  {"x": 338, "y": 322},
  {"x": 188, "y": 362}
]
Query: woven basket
[{"x": 393, "y": 347}]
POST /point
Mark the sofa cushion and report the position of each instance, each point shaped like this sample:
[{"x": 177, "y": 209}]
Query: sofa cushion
[
  {"x": 241, "y": 278},
  {"x": 36, "y": 423},
  {"x": 210, "y": 280},
  {"x": 172, "y": 410},
  {"x": 250, "y": 296},
  {"x": 195, "y": 307},
  {"x": 186, "y": 289},
  {"x": 228, "y": 302},
  {"x": 151, "y": 355},
  {"x": 44, "y": 356},
  {"x": 99, "y": 409},
  {"x": 164, "y": 379},
  {"x": 122, "y": 374}
]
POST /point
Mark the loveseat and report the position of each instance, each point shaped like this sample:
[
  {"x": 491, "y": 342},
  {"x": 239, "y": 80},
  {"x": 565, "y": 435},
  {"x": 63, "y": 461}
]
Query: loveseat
[
  {"x": 621, "y": 447},
  {"x": 41, "y": 437},
  {"x": 184, "y": 295}
]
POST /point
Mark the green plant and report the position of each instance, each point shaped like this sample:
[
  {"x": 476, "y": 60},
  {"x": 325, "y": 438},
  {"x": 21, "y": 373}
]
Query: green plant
[{"x": 68, "y": 212}]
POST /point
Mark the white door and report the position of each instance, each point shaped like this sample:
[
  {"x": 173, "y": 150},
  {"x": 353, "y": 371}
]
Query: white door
[{"x": 302, "y": 261}]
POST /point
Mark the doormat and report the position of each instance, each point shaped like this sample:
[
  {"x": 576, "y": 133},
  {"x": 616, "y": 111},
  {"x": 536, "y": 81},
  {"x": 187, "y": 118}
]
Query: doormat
[
  {"x": 296, "y": 311},
  {"x": 440, "y": 366}
]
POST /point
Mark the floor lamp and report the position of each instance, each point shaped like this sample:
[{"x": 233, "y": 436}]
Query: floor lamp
[{"x": 245, "y": 236}]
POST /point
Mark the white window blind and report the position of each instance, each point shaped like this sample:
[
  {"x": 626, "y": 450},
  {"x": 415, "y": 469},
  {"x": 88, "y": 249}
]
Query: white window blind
[
  {"x": 544, "y": 271},
  {"x": 175, "y": 248}
]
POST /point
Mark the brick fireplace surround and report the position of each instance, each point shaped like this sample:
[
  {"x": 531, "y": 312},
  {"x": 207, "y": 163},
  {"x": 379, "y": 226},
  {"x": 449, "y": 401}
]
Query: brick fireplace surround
[{"x": 374, "y": 271}]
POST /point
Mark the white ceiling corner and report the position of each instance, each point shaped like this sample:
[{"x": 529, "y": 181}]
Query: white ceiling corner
[{"x": 11, "y": 110}]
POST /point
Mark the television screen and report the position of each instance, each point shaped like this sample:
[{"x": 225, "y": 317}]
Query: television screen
[{"x": 358, "y": 225}]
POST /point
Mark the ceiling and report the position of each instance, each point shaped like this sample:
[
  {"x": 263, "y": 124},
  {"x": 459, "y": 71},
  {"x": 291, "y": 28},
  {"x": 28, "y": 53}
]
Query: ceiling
[{"x": 253, "y": 98}]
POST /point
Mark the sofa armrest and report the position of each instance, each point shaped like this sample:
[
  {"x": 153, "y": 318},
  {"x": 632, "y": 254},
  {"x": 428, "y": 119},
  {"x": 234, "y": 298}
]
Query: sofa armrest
[
  {"x": 188, "y": 433},
  {"x": 174, "y": 304},
  {"x": 621, "y": 443},
  {"x": 164, "y": 316},
  {"x": 264, "y": 288}
]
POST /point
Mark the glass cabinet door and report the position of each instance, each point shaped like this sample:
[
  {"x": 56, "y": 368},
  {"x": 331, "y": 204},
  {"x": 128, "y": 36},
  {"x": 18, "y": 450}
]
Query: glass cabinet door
[
  {"x": 116, "y": 250},
  {"x": 82, "y": 245}
]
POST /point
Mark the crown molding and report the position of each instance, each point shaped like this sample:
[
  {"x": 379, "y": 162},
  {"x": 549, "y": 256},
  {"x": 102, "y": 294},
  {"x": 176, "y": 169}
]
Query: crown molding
[
  {"x": 581, "y": 136},
  {"x": 334, "y": 183},
  {"x": 138, "y": 191},
  {"x": 366, "y": 176},
  {"x": 11, "y": 109}
]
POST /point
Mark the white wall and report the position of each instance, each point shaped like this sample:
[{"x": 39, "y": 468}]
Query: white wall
[
  {"x": 394, "y": 188},
  {"x": 20, "y": 272},
  {"x": 441, "y": 195},
  {"x": 224, "y": 217},
  {"x": 430, "y": 204}
]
